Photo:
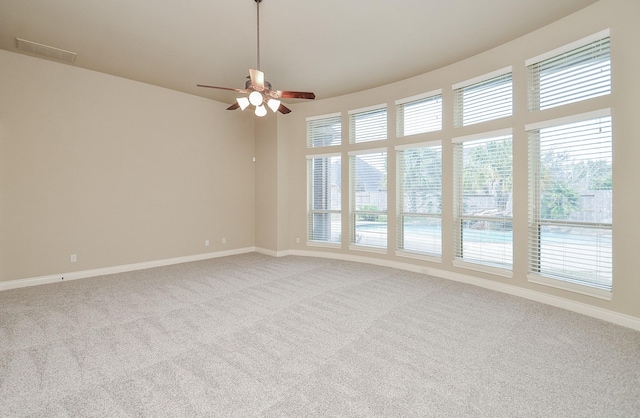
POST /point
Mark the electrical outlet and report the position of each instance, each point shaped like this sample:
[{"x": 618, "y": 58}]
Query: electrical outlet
[
  {"x": 206, "y": 242},
  {"x": 224, "y": 240},
  {"x": 297, "y": 240},
  {"x": 73, "y": 258}
]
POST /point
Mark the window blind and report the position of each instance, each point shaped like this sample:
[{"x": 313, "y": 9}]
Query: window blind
[
  {"x": 572, "y": 76},
  {"x": 483, "y": 100},
  {"x": 420, "y": 199},
  {"x": 323, "y": 131},
  {"x": 324, "y": 199},
  {"x": 419, "y": 115},
  {"x": 369, "y": 198},
  {"x": 483, "y": 200},
  {"x": 368, "y": 124},
  {"x": 570, "y": 209}
]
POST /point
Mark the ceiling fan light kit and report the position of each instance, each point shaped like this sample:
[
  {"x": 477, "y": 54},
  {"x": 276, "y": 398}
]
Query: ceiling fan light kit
[{"x": 259, "y": 91}]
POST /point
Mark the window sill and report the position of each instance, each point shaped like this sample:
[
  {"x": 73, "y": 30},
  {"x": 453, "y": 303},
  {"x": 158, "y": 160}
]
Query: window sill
[
  {"x": 481, "y": 267},
  {"x": 324, "y": 244},
  {"x": 377, "y": 250},
  {"x": 583, "y": 289},
  {"x": 419, "y": 256}
]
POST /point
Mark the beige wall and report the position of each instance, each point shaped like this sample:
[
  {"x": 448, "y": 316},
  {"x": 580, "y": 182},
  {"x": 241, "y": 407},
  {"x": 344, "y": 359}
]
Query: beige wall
[
  {"x": 115, "y": 171},
  {"x": 120, "y": 172},
  {"x": 621, "y": 17}
]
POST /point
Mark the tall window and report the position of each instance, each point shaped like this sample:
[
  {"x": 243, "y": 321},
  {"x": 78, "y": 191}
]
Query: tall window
[
  {"x": 483, "y": 200},
  {"x": 420, "y": 199},
  {"x": 324, "y": 205},
  {"x": 368, "y": 124},
  {"x": 570, "y": 192},
  {"x": 573, "y": 73},
  {"x": 484, "y": 98},
  {"x": 323, "y": 131},
  {"x": 419, "y": 114},
  {"x": 369, "y": 198}
]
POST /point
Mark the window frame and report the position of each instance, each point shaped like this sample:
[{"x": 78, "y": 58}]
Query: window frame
[
  {"x": 354, "y": 242},
  {"x": 480, "y": 84},
  {"x": 401, "y": 122},
  {"x": 401, "y": 249},
  {"x": 535, "y": 221},
  {"x": 355, "y": 114},
  {"x": 459, "y": 217},
  {"x": 312, "y": 212}
]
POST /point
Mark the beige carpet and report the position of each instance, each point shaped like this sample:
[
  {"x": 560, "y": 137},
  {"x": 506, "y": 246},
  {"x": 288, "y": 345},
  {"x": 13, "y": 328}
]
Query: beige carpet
[{"x": 252, "y": 335}]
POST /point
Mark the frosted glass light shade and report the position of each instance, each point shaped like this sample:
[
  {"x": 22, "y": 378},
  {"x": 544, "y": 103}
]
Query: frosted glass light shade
[
  {"x": 255, "y": 98},
  {"x": 261, "y": 111},
  {"x": 243, "y": 102},
  {"x": 273, "y": 104}
]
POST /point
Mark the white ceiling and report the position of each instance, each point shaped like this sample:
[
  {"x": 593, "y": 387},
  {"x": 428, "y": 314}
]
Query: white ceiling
[{"x": 330, "y": 47}]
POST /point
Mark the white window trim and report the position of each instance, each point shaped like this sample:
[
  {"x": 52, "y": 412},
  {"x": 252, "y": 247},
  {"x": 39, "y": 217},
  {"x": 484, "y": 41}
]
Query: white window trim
[
  {"x": 601, "y": 113},
  {"x": 329, "y": 155},
  {"x": 324, "y": 244},
  {"x": 366, "y": 151},
  {"x": 483, "y": 267},
  {"x": 418, "y": 256},
  {"x": 367, "y": 248},
  {"x": 368, "y": 109},
  {"x": 483, "y": 135},
  {"x": 320, "y": 117},
  {"x": 405, "y": 147},
  {"x": 484, "y": 77},
  {"x": 569, "y": 47},
  {"x": 418, "y": 97},
  {"x": 570, "y": 286}
]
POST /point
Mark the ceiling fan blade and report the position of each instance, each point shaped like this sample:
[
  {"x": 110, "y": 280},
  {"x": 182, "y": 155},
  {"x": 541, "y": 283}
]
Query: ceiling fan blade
[
  {"x": 222, "y": 88},
  {"x": 233, "y": 106},
  {"x": 284, "y": 109},
  {"x": 295, "y": 94},
  {"x": 257, "y": 78}
]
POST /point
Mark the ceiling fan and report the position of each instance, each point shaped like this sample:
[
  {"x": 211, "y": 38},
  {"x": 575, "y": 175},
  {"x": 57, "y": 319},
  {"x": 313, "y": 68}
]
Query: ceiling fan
[{"x": 259, "y": 90}]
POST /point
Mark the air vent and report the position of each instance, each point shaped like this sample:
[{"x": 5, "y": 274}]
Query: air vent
[{"x": 45, "y": 51}]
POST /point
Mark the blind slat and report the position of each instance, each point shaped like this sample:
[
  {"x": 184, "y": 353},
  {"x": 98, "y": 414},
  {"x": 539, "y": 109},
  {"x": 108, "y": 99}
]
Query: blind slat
[
  {"x": 576, "y": 75},
  {"x": 570, "y": 209},
  {"x": 420, "y": 200}
]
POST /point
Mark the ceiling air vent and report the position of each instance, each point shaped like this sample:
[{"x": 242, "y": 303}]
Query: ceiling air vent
[{"x": 45, "y": 51}]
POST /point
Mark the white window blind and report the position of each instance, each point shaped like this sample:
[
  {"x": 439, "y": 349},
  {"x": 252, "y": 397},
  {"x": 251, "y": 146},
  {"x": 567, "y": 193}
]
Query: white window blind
[
  {"x": 418, "y": 115},
  {"x": 420, "y": 199},
  {"x": 369, "y": 198},
  {"x": 324, "y": 199},
  {"x": 323, "y": 131},
  {"x": 368, "y": 124},
  {"x": 570, "y": 208},
  {"x": 483, "y": 100},
  {"x": 578, "y": 74},
  {"x": 483, "y": 200}
]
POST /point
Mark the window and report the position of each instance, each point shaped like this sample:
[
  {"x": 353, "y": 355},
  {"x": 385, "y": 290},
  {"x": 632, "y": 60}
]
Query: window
[
  {"x": 573, "y": 73},
  {"x": 324, "y": 200},
  {"x": 369, "y": 198},
  {"x": 323, "y": 131},
  {"x": 368, "y": 124},
  {"x": 483, "y": 200},
  {"x": 420, "y": 199},
  {"x": 570, "y": 199},
  {"x": 419, "y": 114},
  {"x": 484, "y": 98}
]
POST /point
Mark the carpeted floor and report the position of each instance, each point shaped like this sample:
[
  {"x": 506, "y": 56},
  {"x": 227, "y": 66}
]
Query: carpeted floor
[{"x": 252, "y": 335}]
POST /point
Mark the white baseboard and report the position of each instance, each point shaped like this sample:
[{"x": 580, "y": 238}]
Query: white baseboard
[
  {"x": 570, "y": 305},
  {"x": 75, "y": 275},
  {"x": 578, "y": 307}
]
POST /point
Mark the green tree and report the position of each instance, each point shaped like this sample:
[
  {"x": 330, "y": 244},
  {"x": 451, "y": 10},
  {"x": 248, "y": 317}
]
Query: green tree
[
  {"x": 559, "y": 200},
  {"x": 488, "y": 168},
  {"x": 422, "y": 180}
]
